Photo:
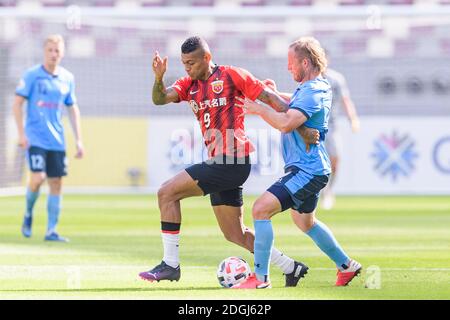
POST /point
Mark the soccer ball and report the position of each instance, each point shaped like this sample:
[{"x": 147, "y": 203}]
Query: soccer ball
[{"x": 232, "y": 270}]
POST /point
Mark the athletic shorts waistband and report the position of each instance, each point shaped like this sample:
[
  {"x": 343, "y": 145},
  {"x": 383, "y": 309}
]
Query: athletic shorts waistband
[{"x": 223, "y": 159}]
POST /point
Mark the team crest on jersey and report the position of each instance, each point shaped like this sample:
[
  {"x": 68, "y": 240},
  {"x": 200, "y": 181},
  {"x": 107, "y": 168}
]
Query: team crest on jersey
[
  {"x": 64, "y": 88},
  {"x": 217, "y": 86}
]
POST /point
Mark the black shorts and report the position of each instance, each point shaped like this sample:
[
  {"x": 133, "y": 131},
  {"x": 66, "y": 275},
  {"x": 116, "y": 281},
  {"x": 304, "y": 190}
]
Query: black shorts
[
  {"x": 299, "y": 190},
  {"x": 53, "y": 163},
  {"x": 222, "y": 178}
]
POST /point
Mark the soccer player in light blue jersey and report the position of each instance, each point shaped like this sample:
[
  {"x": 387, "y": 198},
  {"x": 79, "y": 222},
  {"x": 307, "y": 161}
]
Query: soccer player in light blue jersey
[
  {"x": 307, "y": 167},
  {"x": 47, "y": 88}
]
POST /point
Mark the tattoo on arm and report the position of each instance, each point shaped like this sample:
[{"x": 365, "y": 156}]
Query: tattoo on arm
[
  {"x": 159, "y": 92},
  {"x": 272, "y": 99}
]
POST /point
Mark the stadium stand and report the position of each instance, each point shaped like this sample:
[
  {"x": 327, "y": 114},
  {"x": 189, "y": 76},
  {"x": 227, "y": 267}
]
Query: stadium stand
[
  {"x": 111, "y": 55},
  {"x": 212, "y": 3}
]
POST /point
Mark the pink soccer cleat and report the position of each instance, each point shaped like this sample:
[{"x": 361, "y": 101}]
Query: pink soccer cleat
[
  {"x": 252, "y": 283},
  {"x": 344, "y": 277}
]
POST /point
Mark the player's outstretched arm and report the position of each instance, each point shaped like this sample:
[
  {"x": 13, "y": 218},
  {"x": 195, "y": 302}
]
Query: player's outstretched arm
[
  {"x": 309, "y": 135},
  {"x": 18, "y": 116},
  {"x": 284, "y": 121},
  {"x": 268, "y": 96},
  {"x": 161, "y": 95},
  {"x": 272, "y": 85}
]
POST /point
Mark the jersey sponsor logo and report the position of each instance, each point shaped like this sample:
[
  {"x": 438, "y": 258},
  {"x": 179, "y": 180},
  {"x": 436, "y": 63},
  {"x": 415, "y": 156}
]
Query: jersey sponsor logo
[
  {"x": 217, "y": 86},
  {"x": 212, "y": 103},
  {"x": 193, "y": 92},
  {"x": 394, "y": 155},
  {"x": 47, "y": 104}
]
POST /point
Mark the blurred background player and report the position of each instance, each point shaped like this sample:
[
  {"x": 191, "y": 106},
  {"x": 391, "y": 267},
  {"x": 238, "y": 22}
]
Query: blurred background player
[
  {"x": 211, "y": 91},
  {"x": 341, "y": 98},
  {"x": 46, "y": 88},
  {"x": 307, "y": 172}
]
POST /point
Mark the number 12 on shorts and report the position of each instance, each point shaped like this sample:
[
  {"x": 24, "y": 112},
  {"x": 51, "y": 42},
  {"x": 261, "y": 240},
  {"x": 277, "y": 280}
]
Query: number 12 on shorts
[{"x": 37, "y": 162}]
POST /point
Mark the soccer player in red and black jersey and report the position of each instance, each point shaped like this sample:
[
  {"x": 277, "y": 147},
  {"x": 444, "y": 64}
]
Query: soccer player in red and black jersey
[{"x": 211, "y": 91}]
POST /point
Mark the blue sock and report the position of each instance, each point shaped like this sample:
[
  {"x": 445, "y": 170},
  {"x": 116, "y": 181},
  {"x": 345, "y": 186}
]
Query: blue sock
[
  {"x": 325, "y": 240},
  {"x": 31, "y": 198},
  {"x": 53, "y": 209},
  {"x": 263, "y": 248}
]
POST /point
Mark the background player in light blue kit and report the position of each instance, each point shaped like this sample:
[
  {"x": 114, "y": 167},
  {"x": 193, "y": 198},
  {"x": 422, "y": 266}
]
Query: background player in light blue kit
[
  {"x": 307, "y": 169},
  {"x": 341, "y": 98},
  {"x": 47, "y": 88}
]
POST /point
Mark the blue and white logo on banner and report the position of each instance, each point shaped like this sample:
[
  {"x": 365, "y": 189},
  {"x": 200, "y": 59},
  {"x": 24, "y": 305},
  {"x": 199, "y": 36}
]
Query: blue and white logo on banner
[{"x": 394, "y": 156}]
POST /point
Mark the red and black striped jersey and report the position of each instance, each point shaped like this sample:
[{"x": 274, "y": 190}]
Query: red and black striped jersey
[{"x": 213, "y": 103}]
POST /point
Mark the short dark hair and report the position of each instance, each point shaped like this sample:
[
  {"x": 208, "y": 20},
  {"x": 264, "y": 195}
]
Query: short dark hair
[{"x": 193, "y": 43}]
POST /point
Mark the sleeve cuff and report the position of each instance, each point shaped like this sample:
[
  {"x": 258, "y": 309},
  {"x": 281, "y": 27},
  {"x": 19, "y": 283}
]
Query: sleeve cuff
[
  {"x": 257, "y": 93},
  {"x": 302, "y": 111},
  {"x": 21, "y": 95}
]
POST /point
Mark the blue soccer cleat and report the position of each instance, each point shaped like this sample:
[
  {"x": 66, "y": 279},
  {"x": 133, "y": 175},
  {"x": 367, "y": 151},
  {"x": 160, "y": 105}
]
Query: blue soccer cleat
[
  {"x": 26, "y": 226},
  {"x": 55, "y": 237}
]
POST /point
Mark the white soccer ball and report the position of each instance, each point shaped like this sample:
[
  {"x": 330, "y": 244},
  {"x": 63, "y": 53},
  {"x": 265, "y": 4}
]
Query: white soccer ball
[{"x": 232, "y": 270}]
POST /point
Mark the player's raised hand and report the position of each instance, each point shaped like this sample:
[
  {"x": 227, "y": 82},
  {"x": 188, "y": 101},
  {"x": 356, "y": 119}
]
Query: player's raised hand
[
  {"x": 249, "y": 106},
  {"x": 159, "y": 65}
]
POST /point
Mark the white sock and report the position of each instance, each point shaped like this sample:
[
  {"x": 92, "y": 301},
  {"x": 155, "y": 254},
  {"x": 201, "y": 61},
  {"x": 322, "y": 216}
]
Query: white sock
[
  {"x": 170, "y": 243},
  {"x": 282, "y": 261}
]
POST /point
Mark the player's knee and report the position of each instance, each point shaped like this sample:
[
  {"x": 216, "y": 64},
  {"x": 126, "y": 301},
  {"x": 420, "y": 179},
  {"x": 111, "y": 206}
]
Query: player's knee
[
  {"x": 36, "y": 181},
  {"x": 305, "y": 227},
  {"x": 162, "y": 193},
  {"x": 165, "y": 193},
  {"x": 55, "y": 186},
  {"x": 306, "y": 224},
  {"x": 260, "y": 212}
]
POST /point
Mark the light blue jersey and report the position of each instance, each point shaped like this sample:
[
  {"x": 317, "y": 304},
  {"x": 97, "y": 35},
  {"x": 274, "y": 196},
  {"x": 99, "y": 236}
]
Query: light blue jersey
[
  {"x": 313, "y": 99},
  {"x": 46, "y": 95}
]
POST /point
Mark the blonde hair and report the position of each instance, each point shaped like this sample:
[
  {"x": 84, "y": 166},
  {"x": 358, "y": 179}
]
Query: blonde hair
[
  {"x": 310, "y": 48},
  {"x": 54, "y": 38}
]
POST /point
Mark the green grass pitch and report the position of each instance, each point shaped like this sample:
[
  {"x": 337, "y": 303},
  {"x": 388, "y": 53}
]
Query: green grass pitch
[{"x": 402, "y": 242}]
